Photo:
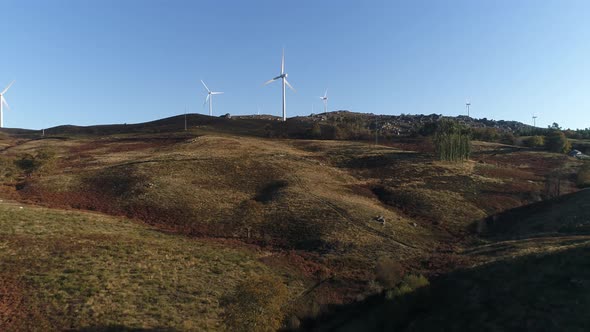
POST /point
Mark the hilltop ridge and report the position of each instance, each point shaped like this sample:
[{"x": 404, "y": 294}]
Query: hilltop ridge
[{"x": 260, "y": 125}]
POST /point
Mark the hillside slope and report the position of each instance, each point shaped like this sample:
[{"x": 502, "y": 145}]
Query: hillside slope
[
  {"x": 72, "y": 270},
  {"x": 540, "y": 292},
  {"x": 310, "y": 205},
  {"x": 568, "y": 214}
]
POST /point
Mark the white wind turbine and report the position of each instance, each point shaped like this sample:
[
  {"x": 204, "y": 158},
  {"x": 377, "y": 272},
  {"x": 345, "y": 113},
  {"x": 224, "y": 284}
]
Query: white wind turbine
[
  {"x": 3, "y": 103},
  {"x": 283, "y": 77},
  {"x": 325, "y": 100},
  {"x": 209, "y": 98}
]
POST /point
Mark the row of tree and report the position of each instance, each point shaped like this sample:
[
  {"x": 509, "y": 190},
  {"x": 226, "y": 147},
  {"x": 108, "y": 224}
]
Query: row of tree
[
  {"x": 554, "y": 141},
  {"x": 452, "y": 141}
]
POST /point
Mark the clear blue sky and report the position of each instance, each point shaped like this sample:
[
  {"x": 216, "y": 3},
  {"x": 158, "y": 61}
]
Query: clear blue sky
[{"x": 89, "y": 62}]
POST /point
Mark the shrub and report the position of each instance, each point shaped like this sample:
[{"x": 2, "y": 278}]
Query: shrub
[
  {"x": 534, "y": 141},
  {"x": 408, "y": 284},
  {"x": 557, "y": 142},
  {"x": 256, "y": 304},
  {"x": 388, "y": 272},
  {"x": 43, "y": 160}
]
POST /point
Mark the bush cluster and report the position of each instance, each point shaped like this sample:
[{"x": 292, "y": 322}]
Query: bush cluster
[
  {"x": 534, "y": 141},
  {"x": 408, "y": 284},
  {"x": 556, "y": 141},
  {"x": 43, "y": 160}
]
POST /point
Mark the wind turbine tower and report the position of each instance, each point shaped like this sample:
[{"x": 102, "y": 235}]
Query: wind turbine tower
[
  {"x": 325, "y": 100},
  {"x": 3, "y": 103},
  {"x": 283, "y": 77},
  {"x": 534, "y": 120},
  {"x": 467, "y": 104},
  {"x": 209, "y": 98}
]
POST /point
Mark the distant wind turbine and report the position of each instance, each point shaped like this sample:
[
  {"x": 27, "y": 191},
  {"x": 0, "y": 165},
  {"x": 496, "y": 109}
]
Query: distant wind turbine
[
  {"x": 209, "y": 98},
  {"x": 534, "y": 120},
  {"x": 3, "y": 103},
  {"x": 325, "y": 100},
  {"x": 283, "y": 77},
  {"x": 467, "y": 104}
]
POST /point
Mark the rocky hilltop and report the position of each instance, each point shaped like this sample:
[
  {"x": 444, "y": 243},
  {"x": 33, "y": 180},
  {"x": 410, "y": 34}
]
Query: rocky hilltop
[{"x": 406, "y": 124}]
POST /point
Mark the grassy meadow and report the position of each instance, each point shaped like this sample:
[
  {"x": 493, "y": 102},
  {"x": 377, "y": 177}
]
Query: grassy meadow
[{"x": 75, "y": 270}]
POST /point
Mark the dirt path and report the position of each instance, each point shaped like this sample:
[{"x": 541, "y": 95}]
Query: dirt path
[
  {"x": 347, "y": 217},
  {"x": 514, "y": 248}
]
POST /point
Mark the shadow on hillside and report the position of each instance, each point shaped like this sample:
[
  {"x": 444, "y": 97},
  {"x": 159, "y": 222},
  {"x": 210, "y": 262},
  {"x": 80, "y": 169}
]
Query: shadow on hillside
[
  {"x": 566, "y": 214},
  {"x": 271, "y": 191},
  {"x": 382, "y": 160},
  {"x": 503, "y": 150},
  {"x": 549, "y": 292}
]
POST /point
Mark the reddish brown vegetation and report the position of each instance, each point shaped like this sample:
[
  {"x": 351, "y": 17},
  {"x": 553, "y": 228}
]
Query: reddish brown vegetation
[
  {"x": 506, "y": 173},
  {"x": 16, "y": 312},
  {"x": 538, "y": 165},
  {"x": 299, "y": 263}
]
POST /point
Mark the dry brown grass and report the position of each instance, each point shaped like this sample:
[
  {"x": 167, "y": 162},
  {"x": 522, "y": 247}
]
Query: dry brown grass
[{"x": 314, "y": 199}]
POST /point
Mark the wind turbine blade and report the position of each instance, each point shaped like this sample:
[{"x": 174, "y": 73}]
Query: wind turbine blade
[
  {"x": 270, "y": 81},
  {"x": 205, "y": 85},
  {"x": 5, "y": 103},
  {"x": 326, "y": 94},
  {"x": 283, "y": 63},
  {"x": 206, "y": 100},
  {"x": 289, "y": 85},
  {"x": 8, "y": 87},
  {"x": 216, "y": 93}
]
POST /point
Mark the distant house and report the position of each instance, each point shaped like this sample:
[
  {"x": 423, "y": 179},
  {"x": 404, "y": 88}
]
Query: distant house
[
  {"x": 579, "y": 155},
  {"x": 574, "y": 153}
]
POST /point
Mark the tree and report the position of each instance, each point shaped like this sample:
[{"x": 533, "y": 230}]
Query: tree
[
  {"x": 428, "y": 129},
  {"x": 508, "y": 138},
  {"x": 315, "y": 131},
  {"x": 556, "y": 141},
  {"x": 256, "y": 304},
  {"x": 452, "y": 141},
  {"x": 487, "y": 134},
  {"x": 534, "y": 141},
  {"x": 250, "y": 216}
]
